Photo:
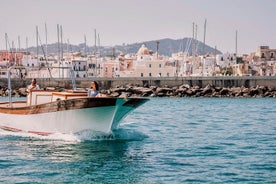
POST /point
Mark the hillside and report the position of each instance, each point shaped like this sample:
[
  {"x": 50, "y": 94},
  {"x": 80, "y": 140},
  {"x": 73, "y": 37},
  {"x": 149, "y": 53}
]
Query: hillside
[{"x": 166, "y": 47}]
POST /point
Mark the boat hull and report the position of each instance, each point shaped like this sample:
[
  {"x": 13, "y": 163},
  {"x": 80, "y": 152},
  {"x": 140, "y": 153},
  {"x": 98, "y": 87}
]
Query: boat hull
[{"x": 69, "y": 116}]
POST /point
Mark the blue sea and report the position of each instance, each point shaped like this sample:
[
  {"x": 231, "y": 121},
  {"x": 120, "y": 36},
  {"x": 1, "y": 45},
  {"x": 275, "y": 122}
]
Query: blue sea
[{"x": 167, "y": 140}]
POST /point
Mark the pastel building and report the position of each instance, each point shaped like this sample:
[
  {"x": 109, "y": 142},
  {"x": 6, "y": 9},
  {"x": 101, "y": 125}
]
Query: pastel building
[{"x": 148, "y": 64}]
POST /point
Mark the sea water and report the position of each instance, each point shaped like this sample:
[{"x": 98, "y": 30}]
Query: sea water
[{"x": 167, "y": 140}]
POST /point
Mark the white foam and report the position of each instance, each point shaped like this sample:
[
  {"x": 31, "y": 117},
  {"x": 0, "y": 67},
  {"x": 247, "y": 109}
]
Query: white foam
[{"x": 87, "y": 135}]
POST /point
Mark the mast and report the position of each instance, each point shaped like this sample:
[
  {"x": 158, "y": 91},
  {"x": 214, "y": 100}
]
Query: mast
[
  {"x": 6, "y": 39},
  {"x": 95, "y": 45},
  {"x": 236, "y": 49},
  {"x": 58, "y": 50},
  {"x": 19, "y": 44},
  {"x": 37, "y": 43},
  {"x": 61, "y": 42},
  {"x": 95, "y": 52},
  {"x": 196, "y": 42},
  {"x": 85, "y": 48},
  {"x": 61, "y": 46},
  {"x": 27, "y": 50},
  {"x": 99, "y": 44},
  {"x": 193, "y": 40},
  {"x": 13, "y": 55},
  {"x": 46, "y": 39},
  {"x": 203, "y": 50}
]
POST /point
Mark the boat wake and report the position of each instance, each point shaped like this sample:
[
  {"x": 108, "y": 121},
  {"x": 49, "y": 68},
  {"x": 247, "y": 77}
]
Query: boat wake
[{"x": 87, "y": 135}]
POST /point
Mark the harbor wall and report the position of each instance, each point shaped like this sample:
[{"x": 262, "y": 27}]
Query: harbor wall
[{"x": 106, "y": 83}]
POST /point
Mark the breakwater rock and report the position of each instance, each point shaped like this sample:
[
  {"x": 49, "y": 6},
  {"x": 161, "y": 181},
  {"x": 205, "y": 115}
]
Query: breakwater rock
[{"x": 184, "y": 90}]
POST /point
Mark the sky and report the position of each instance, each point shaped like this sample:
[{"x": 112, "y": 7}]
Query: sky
[{"x": 133, "y": 21}]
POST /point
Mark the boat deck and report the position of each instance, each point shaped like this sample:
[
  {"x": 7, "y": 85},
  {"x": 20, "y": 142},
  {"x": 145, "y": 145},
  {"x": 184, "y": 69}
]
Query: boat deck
[
  {"x": 40, "y": 96},
  {"x": 14, "y": 104}
]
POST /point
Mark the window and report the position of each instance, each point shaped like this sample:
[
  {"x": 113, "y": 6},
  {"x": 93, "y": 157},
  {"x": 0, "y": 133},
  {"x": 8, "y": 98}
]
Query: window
[
  {"x": 150, "y": 74},
  {"x": 159, "y": 74},
  {"x": 149, "y": 65},
  {"x": 142, "y": 75},
  {"x": 263, "y": 55},
  {"x": 168, "y": 74},
  {"x": 160, "y": 65}
]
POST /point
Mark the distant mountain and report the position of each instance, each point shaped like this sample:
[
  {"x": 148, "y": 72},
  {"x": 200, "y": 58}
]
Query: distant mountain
[{"x": 166, "y": 47}]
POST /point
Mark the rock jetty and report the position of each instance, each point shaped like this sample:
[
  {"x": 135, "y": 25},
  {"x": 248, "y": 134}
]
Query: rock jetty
[
  {"x": 184, "y": 90},
  {"x": 190, "y": 91}
]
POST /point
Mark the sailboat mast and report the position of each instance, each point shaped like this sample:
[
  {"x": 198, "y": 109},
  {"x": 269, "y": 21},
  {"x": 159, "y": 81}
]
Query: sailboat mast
[
  {"x": 99, "y": 44},
  {"x": 95, "y": 53},
  {"x": 37, "y": 44},
  {"x": 236, "y": 49},
  {"x": 85, "y": 51},
  {"x": 27, "y": 50},
  {"x": 204, "y": 43},
  {"x": 61, "y": 41},
  {"x": 58, "y": 50},
  {"x": 19, "y": 49},
  {"x": 6, "y": 39},
  {"x": 46, "y": 39}
]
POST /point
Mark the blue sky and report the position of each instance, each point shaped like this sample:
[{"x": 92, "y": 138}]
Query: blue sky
[{"x": 131, "y": 21}]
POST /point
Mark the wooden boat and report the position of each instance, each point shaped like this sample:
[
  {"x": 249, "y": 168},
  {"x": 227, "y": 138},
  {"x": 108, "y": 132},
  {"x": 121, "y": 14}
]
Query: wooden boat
[{"x": 48, "y": 111}]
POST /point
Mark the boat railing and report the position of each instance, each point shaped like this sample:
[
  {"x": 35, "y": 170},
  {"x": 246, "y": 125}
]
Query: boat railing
[{"x": 23, "y": 67}]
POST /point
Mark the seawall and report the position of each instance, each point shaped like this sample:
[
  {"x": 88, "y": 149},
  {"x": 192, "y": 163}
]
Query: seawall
[{"x": 106, "y": 83}]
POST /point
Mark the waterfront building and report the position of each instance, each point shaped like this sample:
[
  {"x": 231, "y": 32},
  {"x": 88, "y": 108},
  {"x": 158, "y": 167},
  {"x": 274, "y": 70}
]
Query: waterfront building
[
  {"x": 126, "y": 64},
  {"x": 226, "y": 60},
  {"x": 148, "y": 64},
  {"x": 11, "y": 58},
  {"x": 263, "y": 61},
  {"x": 144, "y": 63},
  {"x": 110, "y": 68},
  {"x": 264, "y": 53},
  {"x": 182, "y": 64},
  {"x": 241, "y": 69}
]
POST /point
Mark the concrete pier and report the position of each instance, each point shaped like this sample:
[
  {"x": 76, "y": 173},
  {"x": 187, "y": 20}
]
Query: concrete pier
[{"x": 106, "y": 83}]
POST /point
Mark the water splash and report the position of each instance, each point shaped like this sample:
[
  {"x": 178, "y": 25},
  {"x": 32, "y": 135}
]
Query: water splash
[{"x": 86, "y": 135}]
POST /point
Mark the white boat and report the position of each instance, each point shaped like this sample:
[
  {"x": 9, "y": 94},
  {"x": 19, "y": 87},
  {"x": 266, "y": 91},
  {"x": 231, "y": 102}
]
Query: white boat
[{"x": 47, "y": 111}]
